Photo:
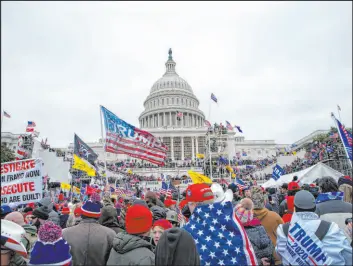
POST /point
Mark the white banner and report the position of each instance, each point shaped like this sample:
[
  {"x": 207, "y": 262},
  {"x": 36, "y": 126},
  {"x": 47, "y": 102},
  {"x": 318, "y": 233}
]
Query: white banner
[{"x": 21, "y": 181}]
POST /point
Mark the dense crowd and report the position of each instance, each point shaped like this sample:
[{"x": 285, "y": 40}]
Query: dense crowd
[{"x": 160, "y": 230}]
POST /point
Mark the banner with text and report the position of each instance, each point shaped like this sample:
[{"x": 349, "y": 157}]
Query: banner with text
[{"x": 21, "y": 181}]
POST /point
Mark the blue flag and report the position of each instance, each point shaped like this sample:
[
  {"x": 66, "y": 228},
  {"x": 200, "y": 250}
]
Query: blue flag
[
  {"x": 240, "y": 183},
  {"x": 219, "y": 236},
  {"x": 278, "y": 171},
  {"x": 346, "y": 138}
]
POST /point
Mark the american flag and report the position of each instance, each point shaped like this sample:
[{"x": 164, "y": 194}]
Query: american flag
[
  {"x": 346, "y": 138},
  {"x": 219, "y": 236},
  {"x": 179, "y": 114},
  {"x": 6, "y": 114},
  {"x": 123, "y": 192},
  {"x": 165, "y": 190},
  {"x": 123, "y": 138},
  {"x": 180, "y": 215},
  {"x": 214, "y": 98},
  {"x": 29, "y": 129},
  {"x": 31, "y": 124},
  {"x": 240, "y": 183},
  {"x": 333, "y": 135},
  {"x": 207, "y": 123},
  {"x": 229, "y": 126}
]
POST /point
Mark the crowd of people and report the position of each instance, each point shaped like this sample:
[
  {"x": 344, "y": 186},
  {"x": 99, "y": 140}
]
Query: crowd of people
[{"x": 296, "y": 225}]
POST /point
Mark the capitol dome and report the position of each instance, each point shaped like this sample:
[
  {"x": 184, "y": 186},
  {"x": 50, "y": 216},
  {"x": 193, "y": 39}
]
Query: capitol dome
[{"x": 171, "y": 102}]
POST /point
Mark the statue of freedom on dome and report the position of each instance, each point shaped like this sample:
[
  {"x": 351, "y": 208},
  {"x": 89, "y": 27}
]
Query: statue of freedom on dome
[{"x": 170, "y": 54}]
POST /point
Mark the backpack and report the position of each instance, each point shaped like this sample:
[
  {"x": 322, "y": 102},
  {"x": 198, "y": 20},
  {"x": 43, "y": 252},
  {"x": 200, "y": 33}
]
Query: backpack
[{"x": 320, "y": 233}]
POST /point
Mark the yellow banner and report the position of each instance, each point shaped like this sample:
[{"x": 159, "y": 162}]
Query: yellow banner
[
  {"x": 200, "y": 155},
  {"x": 65, "y": 186},
  {"x": 76, "y": 190},
  {"x": 199, "y": 178},
  {"x": 230, "y": 169},
  {"x": 129, "y": 172},
  {"x": 294, "y": 153},
  {"x": 82, "y": 165},
  {"x": 233, "y": 176}
]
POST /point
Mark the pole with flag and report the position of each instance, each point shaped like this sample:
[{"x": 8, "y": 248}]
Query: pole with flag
[
  {"x": 4, "y": 114},
  {"x": 103, "y": 143},
  {"x": 346, "y": 138}
]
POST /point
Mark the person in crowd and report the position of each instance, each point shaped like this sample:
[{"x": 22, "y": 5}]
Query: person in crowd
[
  {"x": 283, "y": 193},
  {"x": 235, "y": 190},
  {"x": 13, "y": 250},
  {"x": 269, "y": 219},
  {"x": 5, "y": 210},
  {"x": 257, "y": 235},
  {"x": 53, "y": 216},
  {"x": 39, "y": 216},
  {"x": 172, "y": 217},
  {"x": 170, "y": 204},
  {"x": 64, "y": 216},
  {"x": 247, "y": 192},
  {"x": 51, "y": 248},
  {"x": 293, "y": 188},
  {"x": 109, "y": 216},
  {"x": 197, "y": 194},
  {"x": 130, "y": 247},
  {"x": 31, "y": 231},
  {"x": 158, "y": 228},
  {"x": 273, "y": 202},
  {"x": 330, "y": 205},
  {"x": 90, "y": 242},
  {"x": 345, "y": 185},
  {"x": 71, "y": 221},
  {"x": 152, "y": 200},
  {"x": 176, "y": 247},
  {"x": 296, "y": 241}
]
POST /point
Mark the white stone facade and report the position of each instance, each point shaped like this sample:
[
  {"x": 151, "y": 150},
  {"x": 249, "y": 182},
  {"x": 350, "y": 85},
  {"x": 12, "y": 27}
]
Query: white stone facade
[{"x": 10, "y": 140}]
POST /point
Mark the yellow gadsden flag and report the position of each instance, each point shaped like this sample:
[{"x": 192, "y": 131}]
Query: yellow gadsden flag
[
  {"x": 65, "y": 186},
  {"x": 84, "y": 166},
  {"x": 76, "y": 190},
  {"x": 199, "y": 178},
  {"x": 200, "y": 155}
]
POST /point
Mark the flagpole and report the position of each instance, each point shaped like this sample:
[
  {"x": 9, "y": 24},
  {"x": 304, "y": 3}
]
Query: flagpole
[
  {"x": 339, "y": 112},
  {"x": 2, "y": 118},
  {"x": 339, "y": 132},
  {"x": 103, "y": 144},
  {"x": 209, "y": 139}
]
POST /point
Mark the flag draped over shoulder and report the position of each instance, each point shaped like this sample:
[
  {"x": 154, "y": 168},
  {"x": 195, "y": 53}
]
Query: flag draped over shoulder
[
  {"x": 123, "y": 138},
  {"x": 82, "y": 150},
  {"x": 82, "y": 165},
  {"x": 219, "y": 236}
]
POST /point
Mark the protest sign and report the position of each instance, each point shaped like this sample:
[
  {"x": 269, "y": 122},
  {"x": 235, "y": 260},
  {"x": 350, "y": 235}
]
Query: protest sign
[{"x": 21, "y": 181}]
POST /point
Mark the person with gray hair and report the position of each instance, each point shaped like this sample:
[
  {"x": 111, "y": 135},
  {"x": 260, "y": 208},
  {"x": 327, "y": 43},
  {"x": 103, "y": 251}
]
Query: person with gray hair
[{"x": 330, "y": 205}]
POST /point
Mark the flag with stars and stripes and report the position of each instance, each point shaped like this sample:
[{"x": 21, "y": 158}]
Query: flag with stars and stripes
[{"x": 219, "y": 236}]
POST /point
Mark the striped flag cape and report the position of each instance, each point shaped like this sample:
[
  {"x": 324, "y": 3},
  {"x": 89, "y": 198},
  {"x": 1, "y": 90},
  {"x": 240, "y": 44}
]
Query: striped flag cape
[
  {"x": 123, "y": 138},
  {"x": 219, "y": 236}
]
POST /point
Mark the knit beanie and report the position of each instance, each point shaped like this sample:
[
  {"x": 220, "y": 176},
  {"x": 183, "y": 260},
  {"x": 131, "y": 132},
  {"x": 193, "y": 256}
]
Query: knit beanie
[
  {"x": 138, "y": 220},
  {"x": 41, "y": 212},
  {"x": 176, "y": 247},
  {"x": 244, "y": 210},
  {"x": 257, "y": 197},
  {"x": 50, "y": 248},
  {"x": 92, "y": 207},
  {"x": 165, "y": 224}
]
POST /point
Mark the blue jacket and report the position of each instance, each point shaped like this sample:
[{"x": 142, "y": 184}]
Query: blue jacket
[{"x": 303, "y": 247}]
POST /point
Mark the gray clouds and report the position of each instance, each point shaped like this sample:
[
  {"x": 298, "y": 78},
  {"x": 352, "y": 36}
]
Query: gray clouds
[{"x": 278, "y": 68}]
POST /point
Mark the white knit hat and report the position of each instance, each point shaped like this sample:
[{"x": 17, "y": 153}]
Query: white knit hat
[{"x": 11, "y": 236}]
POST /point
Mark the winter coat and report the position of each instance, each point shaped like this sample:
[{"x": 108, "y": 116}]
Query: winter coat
[
  {"x": 260, "y": 241},
  {"x": 275, "y": 205},
  {"x": 63, "y": 220},
  {"x": 53, "y": 216},
  {"x": 334, "y": 249},
  {"x": 90, "y": 242},
  {"x": 347, "y": 190},
  {"x": 130, "y": 250},
  {"x": 282, "y": 208},
  {"x": 30, "y": 237},
  {"x": 17, "y": 260},
  {"x": 109, "y": 216},
  {"x": 334, "y": 211},
  {"x": 270, "y": 221}
]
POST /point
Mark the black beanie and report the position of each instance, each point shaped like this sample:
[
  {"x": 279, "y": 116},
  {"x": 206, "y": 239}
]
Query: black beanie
[
  {"x": 176, "y": 247},
  {"x": 41, "y": 212}
]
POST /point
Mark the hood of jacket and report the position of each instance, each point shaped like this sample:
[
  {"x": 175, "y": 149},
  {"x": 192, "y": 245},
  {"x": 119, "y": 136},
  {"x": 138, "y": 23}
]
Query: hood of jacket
[
  {"x": 123, "y": 243},
  {"x": 107, "y": 202},
  {"x": 260, "y": 213},
  {"x": 47, "y": 203},
  {"x": 30, "y": 229},
  {"x": 109, "y": 216}
]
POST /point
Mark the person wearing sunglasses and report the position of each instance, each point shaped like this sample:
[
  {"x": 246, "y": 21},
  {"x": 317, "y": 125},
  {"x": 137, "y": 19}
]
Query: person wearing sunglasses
[{"x": 13, "y": 251}]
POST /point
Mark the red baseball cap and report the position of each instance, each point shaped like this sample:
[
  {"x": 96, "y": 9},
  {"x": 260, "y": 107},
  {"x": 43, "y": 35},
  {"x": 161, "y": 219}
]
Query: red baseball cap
[
  {"x": 169, "y": 202},
  {"x": 198, "y": 193}
]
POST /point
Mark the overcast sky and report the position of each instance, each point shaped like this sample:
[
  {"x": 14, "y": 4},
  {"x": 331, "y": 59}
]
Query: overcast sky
[{"x": 277, "y": 68}]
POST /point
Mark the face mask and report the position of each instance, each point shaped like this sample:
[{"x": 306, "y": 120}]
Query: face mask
[{"x": 186, "y": 211}]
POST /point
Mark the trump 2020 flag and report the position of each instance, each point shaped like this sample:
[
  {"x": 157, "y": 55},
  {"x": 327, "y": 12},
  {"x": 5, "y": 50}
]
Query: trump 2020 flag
[
  {"x": 278, "y": 171},
  {"x": 84, "y": 151},
  {"x": 123, "y": 138},
  {"x": 219, "y": 236},
  {"x": 346, "y": 138}
]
